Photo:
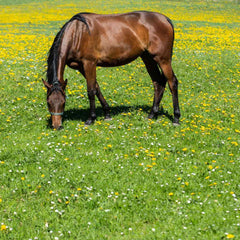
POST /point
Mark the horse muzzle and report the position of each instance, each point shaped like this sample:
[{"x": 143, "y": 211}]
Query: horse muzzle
[{"x": 57, "y": 120}]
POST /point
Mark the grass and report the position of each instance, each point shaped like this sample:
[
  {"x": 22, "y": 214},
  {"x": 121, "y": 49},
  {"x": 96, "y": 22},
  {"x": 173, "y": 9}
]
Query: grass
[{"x": 128, "y": 178}]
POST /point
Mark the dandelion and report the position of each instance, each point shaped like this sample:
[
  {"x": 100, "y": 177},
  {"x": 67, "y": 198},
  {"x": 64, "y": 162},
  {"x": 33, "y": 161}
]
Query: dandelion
[
  {"x": 3, "y": 227},
  {"x": 170, "y": 194},
  {"x": 229, "y": 236}
]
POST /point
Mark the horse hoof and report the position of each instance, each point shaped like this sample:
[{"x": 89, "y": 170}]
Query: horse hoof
[
  {"x": 89, "y": 122},
  {"x": 152, "y": 116},
  {"x": 107, "y": 118},
  {"x": 176, "y": 124}
]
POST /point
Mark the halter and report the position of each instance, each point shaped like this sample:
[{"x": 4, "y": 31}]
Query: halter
[{"x": 56, "y": 114}]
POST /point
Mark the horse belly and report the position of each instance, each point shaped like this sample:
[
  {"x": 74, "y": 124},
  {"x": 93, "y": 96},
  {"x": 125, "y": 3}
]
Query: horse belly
[
  {"x": 119, "y": 48},
  {"x": 113, "y": 60}
]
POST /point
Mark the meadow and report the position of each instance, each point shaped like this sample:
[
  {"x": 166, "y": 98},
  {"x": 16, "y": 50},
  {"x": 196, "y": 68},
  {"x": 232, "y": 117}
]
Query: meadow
[{"x": 128, "y": 178}]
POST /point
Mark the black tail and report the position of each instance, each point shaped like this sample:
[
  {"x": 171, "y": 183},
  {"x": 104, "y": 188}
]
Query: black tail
[
  {"x": 171, "y": 23},
  {"x": 53, "y": 54}
]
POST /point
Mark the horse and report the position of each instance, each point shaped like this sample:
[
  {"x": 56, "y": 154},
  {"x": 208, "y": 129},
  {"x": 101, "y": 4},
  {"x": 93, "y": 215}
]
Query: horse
[{"x": 89, "y": 40}]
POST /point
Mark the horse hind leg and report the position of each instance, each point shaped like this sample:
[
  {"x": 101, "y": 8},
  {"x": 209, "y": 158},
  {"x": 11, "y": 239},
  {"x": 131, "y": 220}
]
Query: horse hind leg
[
  {"x": 103, "y": 102},
  {"x": 159, "y": 83},
  {"x": 173, "y": 85}
]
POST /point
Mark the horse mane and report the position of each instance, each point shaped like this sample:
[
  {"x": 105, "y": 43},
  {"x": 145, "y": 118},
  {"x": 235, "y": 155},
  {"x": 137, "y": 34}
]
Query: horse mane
[{"x": 52, "y": 61}]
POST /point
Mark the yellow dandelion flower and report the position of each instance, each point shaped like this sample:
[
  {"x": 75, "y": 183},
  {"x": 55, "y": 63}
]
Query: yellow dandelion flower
[
  {"x": 149, "y": 166},
  {"x": 3, "y": 227},
  {"x": 234, "y": 143},
  {"x": 230, "y": 236}
]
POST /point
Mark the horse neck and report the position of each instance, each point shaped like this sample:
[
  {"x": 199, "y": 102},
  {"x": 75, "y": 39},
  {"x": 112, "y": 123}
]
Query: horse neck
[{"x": 53, "y": 58}]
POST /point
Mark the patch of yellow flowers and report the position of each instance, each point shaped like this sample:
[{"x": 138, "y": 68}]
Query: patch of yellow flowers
[{"x": 22, "y": 40}]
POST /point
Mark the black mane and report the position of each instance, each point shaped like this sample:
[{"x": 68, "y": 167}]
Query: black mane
[{"x": 53, "y": 54}]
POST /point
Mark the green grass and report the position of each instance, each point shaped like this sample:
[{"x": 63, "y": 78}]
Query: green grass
[{"x": 128, "y": 178}]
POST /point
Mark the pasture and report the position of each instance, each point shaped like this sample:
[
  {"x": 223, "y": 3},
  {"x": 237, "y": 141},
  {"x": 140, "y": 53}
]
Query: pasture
[{"x": 128, "y": 178}]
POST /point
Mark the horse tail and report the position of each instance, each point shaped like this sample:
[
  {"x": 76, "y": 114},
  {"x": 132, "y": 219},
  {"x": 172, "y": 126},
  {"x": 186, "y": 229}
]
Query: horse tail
[
  {"x": 171, "y": 23},
  {"x": 53, "y": 55}
]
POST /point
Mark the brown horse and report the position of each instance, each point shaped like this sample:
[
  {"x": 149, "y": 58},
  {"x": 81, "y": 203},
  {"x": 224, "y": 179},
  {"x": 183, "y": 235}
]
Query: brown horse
[{"x": 88, "y": 40}]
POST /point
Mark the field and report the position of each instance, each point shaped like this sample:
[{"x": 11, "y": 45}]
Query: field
[{"x": 128, "y": 178}]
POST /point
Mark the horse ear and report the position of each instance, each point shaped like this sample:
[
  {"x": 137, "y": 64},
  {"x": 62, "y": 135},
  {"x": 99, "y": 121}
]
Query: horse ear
[
  {"x": 64, "y": 84},
  {"x": 46, "y": 84}
]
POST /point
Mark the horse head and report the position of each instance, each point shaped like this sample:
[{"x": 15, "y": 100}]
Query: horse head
[{"x": 56, "y": 99}]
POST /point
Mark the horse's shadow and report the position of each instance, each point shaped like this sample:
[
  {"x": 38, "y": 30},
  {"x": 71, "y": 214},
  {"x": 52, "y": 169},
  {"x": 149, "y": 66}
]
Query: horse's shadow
[{"x": 82, "y": 114}]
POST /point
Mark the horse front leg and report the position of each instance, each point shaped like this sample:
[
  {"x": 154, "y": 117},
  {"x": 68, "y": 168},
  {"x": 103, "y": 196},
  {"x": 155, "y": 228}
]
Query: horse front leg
[{"x": 90, "y": 75}]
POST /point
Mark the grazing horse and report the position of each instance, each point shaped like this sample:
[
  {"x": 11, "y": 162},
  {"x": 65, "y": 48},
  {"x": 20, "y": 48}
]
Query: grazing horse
[{"x": 89, "y": 40}]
